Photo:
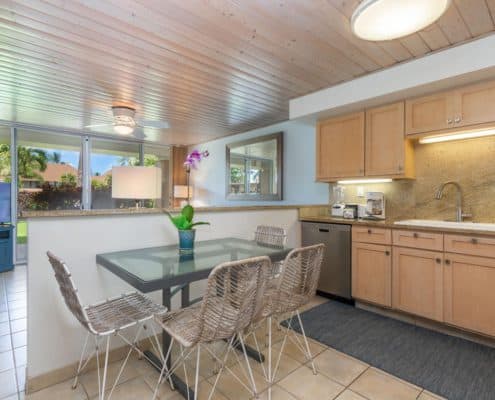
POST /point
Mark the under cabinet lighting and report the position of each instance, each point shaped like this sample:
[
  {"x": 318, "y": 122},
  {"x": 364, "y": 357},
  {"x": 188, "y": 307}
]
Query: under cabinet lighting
[
  {"x": 457, "y": 136},
  {"x": 363, "y": 181},
  {"x": 392, "y": 19}
]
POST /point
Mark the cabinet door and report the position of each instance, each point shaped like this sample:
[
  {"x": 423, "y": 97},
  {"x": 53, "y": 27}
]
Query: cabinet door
[
  {"x": 469, "y": 294},
  {"x": 340, "y": 147},
  {"x": 431, "y": 113},
  {"x": 475, "y": 104},
  {"x": 417, "y": 282},
  {"x": 385, "y": 142},
  {"x": 372, "y": 273}
]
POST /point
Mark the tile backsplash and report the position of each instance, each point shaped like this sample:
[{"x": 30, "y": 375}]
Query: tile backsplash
[{"x": 469, "y": 162}]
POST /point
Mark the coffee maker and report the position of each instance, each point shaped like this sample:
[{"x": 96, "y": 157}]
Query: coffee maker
[
  {"x": 338, "y": 201},
  {"x": 375, "y": 205}
]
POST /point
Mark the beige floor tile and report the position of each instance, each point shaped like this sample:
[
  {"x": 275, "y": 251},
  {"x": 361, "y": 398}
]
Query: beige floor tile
[
  {"x": 277, "y": 394},
  {"x": 90, "y": 379},
  {"x": 286, "y": 365},
  {"x": 166, "y": 393},
  {"x": 7, "y": 383},
  {"x": 350, "y": 395},
  {"x": 377, "y": 385},
  {"x": 62, "y": 391},
  {"x": 425, "y": 395},
  {"x": 339, "y": 367},
  {"x": 303, "y": 384},
  {"x": 231, "y": 388},
  {"x": 131, "y": 390},
  {"x": 293, "y": 351}
]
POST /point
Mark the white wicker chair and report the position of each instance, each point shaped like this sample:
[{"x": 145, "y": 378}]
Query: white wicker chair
[
  {"x": 104, "y": 319},
  {"x": 233, "y": 298},
  {"x": 270, "y": 235},
  {"x": 296, "y": 287}
]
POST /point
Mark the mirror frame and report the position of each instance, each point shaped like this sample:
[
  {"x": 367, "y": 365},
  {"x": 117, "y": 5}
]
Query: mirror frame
[{"x": 279, "y": 137}]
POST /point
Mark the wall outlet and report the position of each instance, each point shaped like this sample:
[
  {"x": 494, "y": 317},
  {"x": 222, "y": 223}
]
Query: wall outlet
[{"x": 360, "y": 191}]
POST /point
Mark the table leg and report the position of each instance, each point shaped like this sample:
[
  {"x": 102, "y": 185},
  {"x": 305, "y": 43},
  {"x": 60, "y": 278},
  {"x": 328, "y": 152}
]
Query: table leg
[{"x": 179, "y": 384}]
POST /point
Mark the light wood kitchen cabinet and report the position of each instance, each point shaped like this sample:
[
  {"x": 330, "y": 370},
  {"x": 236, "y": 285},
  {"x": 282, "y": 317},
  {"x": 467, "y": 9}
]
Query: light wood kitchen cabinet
[
  {"x": 340, "y": 147},
  {"x": 468, "y": 106},
  {"x": 372, "y": 273},
  {"x": 470, "y": 245},
  {"x": 474, "y": 104},
  {"x": 387, "y": 152},
  {"x": 430, "y": 113},
  {"x": 418, "y": 240},
  {"x": 370, "y": 234},
  {"x": 417, "y": 282},
  {"x": 469, "y": 294}
]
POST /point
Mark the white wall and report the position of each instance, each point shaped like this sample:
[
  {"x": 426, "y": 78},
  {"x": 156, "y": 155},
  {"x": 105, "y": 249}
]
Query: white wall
[
  {"x": 54, "y": 336},
  {"x": 299, "y": 168}
]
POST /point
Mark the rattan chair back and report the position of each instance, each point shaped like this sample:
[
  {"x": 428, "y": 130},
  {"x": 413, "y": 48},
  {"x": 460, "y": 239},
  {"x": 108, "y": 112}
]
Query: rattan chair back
[
  {"x": 68, "y": 289},
  {"x": 233, "y": 298},
  {"x": 270, "y": 235},
  {"x": 298, "y": 280}
]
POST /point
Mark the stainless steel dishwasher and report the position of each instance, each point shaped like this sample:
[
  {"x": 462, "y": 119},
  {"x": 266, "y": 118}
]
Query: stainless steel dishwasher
[{"x": 335, "y": 277}]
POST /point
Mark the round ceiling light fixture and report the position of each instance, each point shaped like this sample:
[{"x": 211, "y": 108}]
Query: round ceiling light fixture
[
  {"x": 391, "y": 19},
  {"x": 123, "y": 129}
]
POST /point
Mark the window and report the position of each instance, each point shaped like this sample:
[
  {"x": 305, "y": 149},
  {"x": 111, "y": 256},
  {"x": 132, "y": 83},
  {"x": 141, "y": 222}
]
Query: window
[
  {"x": 159, "y": 156},
  {"x": 49, "y": 170},
  {"x": 254, "y": 169},
  {"x": 106, "y": 154}
]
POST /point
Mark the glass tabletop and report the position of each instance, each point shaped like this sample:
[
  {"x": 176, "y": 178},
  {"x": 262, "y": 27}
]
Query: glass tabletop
[{"x": 160, "y": 267}]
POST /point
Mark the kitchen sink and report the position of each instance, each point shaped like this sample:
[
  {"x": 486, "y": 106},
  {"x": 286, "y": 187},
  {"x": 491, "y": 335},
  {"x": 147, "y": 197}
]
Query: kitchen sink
[{"x": 475, "y": 226}]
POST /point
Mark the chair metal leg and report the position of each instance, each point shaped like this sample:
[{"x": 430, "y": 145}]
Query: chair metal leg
[
  {"x": 270, "y": 377},
  {"x": 306, "y": 344},
  {"x": 80, "y": 366},
  {"x": 250, "y": 371},
  {"x": 197, "y": 372},
  {"x": 105, "y": 369}
]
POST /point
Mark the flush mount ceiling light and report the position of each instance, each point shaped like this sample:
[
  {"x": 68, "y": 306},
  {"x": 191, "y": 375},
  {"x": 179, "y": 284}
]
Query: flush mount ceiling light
[
  {"x": 123, "y": 129},
  {"x": 391, "y": 19}
]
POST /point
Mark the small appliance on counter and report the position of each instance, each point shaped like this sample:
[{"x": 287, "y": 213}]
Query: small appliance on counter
[
  {"x": 351, "y": 211},
  {"x": 338, "y": 205},
  {"x": 375, "y": 205}
]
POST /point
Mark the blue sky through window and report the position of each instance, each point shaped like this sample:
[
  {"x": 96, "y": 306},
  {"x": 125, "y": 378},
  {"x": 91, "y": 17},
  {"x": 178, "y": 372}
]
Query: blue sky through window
[{"x": 100, "y": 163}]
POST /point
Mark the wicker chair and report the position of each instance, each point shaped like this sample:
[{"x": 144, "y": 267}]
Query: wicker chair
[
  {"x": 104, "y": 319},
  {"x": 233, "y": 298},
  {"x": 296, "y": 287},
  {"x": 270, "y": 235}
]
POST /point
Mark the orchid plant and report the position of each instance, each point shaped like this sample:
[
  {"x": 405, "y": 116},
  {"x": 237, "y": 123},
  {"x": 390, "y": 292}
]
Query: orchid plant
[
  {"x": 193, "y": 158},
  {"x": 184, "y": 220}
]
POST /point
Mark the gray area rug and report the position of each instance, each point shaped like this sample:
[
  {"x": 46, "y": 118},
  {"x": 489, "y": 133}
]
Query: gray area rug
[{"x": 450, "y": 367}]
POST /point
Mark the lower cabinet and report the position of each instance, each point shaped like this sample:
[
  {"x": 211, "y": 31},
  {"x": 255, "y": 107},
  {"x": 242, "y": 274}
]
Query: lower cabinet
[
  {"x": 417, "y": 285},
  {"x": 469, "y": 294},
  {"x": 372, "y": 273}
]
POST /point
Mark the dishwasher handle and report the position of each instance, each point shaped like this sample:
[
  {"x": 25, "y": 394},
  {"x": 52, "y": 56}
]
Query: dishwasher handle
[{"x": 324, "y": 230}]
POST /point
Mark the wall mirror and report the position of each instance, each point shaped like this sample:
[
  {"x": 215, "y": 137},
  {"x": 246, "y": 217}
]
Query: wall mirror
[{"x": 254, "y": 168}]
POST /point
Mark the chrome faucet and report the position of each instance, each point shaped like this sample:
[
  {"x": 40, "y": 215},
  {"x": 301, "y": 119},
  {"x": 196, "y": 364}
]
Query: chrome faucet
[{"x": 459, "y": 213}]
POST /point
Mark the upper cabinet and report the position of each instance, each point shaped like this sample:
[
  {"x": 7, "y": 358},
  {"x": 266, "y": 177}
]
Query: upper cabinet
[
  {"x": 340, "y": 147},
  {"x": 430, "y": 113},
  {"x": 370, "y": 143},
  {"x": 467, "y": 106},
  {"x": 387, "y": 152}
]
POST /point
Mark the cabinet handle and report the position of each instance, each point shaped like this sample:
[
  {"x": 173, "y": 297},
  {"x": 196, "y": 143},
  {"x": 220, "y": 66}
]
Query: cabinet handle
[
  {"x": 369, "y": 231},
  {"x": 449, "y": 121},
  {"x": 415, "y": 235},
  {"x": 447, "y": 262},
  {"x": 474, "y": 241},
  {"x": 438, "y": 260},
  {"x": 457, "y": 120},
  {"x": 387, "y": 253}
]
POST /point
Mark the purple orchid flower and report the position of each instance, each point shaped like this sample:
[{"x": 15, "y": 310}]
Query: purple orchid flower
[{"x": 194, "y": 158}]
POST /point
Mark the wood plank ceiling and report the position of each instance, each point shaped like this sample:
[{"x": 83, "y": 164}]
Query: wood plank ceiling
[{"x": 210, "y": 68}]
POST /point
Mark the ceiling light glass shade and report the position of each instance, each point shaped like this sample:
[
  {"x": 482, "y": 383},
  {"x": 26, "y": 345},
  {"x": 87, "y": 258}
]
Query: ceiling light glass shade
[
  {"x": 391, "y": 19},
  {"x": 123, "y": 129}
]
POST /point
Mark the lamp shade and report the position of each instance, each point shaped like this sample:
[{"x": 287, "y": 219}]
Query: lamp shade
[
  {"x": 136, "y": 183},
  {"x": 180, "y": 191}
]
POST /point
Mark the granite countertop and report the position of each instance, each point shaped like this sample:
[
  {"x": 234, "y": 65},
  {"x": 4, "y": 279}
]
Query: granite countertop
[
  {"x": 144, "y": 211},
  {"x": 390, "y": 223}
]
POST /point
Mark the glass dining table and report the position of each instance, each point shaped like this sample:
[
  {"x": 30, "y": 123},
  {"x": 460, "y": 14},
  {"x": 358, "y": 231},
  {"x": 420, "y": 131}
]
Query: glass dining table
[{"x": 165, "y": 268}]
